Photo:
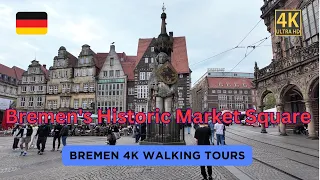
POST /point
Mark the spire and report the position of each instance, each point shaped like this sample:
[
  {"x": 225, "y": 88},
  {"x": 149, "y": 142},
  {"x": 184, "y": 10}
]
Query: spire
[
  {"x": 164, "y": 42},
  {"x": 163, "y": 24}
]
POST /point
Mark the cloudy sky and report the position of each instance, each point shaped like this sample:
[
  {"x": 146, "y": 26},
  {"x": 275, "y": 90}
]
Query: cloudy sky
[{"x": 210, "y": 27}]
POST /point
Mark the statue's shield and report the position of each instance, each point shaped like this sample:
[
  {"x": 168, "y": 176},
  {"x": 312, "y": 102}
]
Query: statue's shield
[{"x": 167, "y": 74}]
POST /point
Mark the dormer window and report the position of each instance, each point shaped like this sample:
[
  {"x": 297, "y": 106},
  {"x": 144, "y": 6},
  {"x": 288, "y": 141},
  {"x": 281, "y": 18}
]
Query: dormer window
[
  {"x": 244, "y": 85},
  {"x": 111, "y": 61},
  {"x": 220, "y": 84},
  {"x": 228, "y": 84}
]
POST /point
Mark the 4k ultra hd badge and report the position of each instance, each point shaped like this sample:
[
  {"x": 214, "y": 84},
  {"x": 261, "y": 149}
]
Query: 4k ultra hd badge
[
  {"x": 31, "y": 23},
  {"x": 288, "y": 23}
]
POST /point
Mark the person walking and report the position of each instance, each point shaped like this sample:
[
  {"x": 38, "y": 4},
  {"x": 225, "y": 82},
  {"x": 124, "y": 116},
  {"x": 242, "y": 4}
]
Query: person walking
[
  {"x": 137, "y": 133},
  {"x": 15, "y": 131},
  {"x": 112, "y": 140},
  {"x": 25, "y": 138},
  {"x": 64, "y": 134},
  {"x": 34, "y": 137},
  {"x": 219, "y": 129},
  {"x": 211, "y": 125},
  {"x": 56, "y": 136},
  {"x": 42, "y": 133},
  {"x": 202, "y": 136}
]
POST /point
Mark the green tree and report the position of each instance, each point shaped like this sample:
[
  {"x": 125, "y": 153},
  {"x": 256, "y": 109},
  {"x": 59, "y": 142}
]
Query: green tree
[{"x": 269, "y": 101}]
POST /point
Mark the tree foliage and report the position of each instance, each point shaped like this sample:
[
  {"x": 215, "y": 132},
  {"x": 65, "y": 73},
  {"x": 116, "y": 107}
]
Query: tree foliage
[{"x": 269, "y": 101}]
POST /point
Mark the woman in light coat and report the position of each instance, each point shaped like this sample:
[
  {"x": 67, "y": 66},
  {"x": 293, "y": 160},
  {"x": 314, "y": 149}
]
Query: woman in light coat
[{"x": 34, "y": 138}]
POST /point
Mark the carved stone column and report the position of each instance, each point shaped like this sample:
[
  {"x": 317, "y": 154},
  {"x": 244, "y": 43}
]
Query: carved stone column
[
  {"x": 311, "y": 125},
  {"x": 263, "y": 128},
  {"x": 282, "y": 127}
]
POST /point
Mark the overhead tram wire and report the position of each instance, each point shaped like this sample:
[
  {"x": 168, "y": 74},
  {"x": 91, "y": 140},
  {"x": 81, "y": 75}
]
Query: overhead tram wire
[
  {"x": 238, "y": 46},
  {"x": 249, "y": 53},
  {"x": 213, "y": 56},
  {"x": 249, "y": 32}
]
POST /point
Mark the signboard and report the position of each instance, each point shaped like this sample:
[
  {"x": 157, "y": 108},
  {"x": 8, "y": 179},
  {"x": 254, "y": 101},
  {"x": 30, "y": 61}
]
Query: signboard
[
  {"x": 288, "y": 23},
  {"x": 5, "y": 103},
  {"x": 103, "y": 81}
]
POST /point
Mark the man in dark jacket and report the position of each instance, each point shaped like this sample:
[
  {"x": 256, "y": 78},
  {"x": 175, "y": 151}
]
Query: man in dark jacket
[
  {"x": 56, "y": 135},
  {"x": 43, "y": 133},
  {"x": 64, "y": 134},
  {"x": 202, "y": 135},
  {"x": 25, "y": 135}
]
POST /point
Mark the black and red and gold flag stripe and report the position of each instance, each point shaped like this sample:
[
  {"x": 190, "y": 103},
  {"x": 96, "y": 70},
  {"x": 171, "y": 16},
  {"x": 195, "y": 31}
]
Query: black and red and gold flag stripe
[{"x": 31, "y": 23}]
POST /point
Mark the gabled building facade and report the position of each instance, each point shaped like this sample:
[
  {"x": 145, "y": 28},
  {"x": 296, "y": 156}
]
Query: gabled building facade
[
  {"x": 32, "y": 89},
  {"x": 84, "y": 86},
  {"x": 112, "y": 82},
  {"x": 9, "y": 81},
  {"x": 145, "y": 59},
  {"x": 60, "y": 84}
]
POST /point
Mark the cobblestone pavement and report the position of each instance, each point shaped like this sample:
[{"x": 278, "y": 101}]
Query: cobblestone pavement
[
  {"x": 277, "y": 157},
  {"x": 49, "y": 166}
]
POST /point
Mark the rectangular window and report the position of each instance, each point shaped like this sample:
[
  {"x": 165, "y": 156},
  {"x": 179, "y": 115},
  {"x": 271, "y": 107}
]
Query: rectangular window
[
  {"x": 85, "y": 87},
  {"x": 111, "y": 61},
  {"x": 23, "y": 88},
  {"x": 152, "y": 60},
  {"x": 152, "y": 49},
  {"x": 146, "y": 60},
  {"x": 55, "y": 104},
  {"x": 117, "y": 73},
  {"x": 32, "y": 89},
  {"x": 39, "y": 102},
  {"x": 84, "y": 103},
  {"x": 76, "y": 104},
  {"x": 30, "y": 101},
  {"x": 49, "y": 104},
  {"x": 148, "y": 75},
  {"x": 130, "y": 91},
  {"x": 22, "y": 101},
  {"x": 142, "y": 76},
  {"x": 40, "y": 88},
  {"x": 55, "y": 89},
  {"x": 105, "y": 73},
  {"x": 91, "y": 89},
  {"x": 111, "y": 73}
]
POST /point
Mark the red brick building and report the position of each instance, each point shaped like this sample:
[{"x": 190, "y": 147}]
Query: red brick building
[{"x": 223, "y": 93}]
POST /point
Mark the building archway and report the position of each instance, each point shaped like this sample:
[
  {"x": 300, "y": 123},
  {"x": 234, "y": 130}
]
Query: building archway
[
  {"x": 267, "y": 102},
  {"x": 293, "y": 101},
  {"x": 313, "y": 93}
]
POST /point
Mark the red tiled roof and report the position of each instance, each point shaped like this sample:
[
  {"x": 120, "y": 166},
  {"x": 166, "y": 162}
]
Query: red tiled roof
[
  {"x": 229, "y": 83},
  {"x": 45, "y": 71},
  {"x": 179, "y": 55},
  {"x": 99, "y": 60},
  {"x": 127, "y": 63},
  {"x": 143, "y": 44},
  {"x": 72, "y": 60},
  {"x": 18, "y": 71},
  {"x": 128, "y": 66},
  {"x": 13, "y": 72}
]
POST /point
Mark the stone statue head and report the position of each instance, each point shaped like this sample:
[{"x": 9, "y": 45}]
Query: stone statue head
[{"x": 162, "y": 58}]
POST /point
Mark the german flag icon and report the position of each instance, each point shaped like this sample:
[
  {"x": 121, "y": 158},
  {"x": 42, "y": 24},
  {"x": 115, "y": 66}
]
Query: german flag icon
[{"x": 31, "y": 23}]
